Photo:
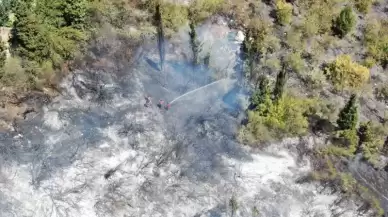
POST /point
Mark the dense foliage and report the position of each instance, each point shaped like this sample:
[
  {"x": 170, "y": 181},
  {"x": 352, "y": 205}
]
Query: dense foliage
[
  {"x": 345, "y": 22},
  {"x": 348, "y": 116},
  {"x": 5, "y": 8},
  {"x": 344, "y": 73}
]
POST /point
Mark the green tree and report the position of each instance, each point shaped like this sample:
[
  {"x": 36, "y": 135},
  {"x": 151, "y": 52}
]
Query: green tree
[
  {"x": 248, "y": 51},
  {"x": 158, "y": 22},
  {"x": 262, "y": 96},
  {"x": 365, "y": 132},
  {"x": 348, "y": 116},
  {"x": 29, "y": 35},
  {"x": 5, "y": 8},
  {"x": 281, "y": 80},
  {"x": 256, "y": 43},
  {"x": 196, "y": 45},
  {"x": 74, "y": 12},
  {"x": 345, "y": 22}
]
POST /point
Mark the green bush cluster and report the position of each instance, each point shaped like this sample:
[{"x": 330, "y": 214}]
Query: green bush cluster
[
  {"x": 345, "y": 22},
  {"x": 344, "y": 73},
  {"x": 272, "y": 120},
  {"x": 46, "y": 34}
]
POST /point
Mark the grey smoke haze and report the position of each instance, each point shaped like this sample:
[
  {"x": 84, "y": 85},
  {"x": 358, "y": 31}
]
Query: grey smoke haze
[{"x": 96, "y": 151}]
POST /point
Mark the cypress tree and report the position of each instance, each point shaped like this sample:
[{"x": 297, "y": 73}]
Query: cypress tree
[
  {"x": 348, "y": 117},
  {"x": 248, "y": 52},
  {"x": 262, "y": 94},
  {"x": 194, "y": 42},
  {"x": 280, "y": 83},
  {"x": 160, "y": 34}
]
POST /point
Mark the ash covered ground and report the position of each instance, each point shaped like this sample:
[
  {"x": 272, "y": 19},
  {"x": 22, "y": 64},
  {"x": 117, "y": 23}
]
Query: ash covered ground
[{"x": 96, "y": 151}]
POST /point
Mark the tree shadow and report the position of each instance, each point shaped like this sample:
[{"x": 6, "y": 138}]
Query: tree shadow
[{"x": 153, "y": 64}]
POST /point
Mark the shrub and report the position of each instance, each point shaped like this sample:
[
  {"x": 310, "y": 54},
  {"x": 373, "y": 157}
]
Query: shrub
[
  {"x": 293, "y": 40},
  {"x": 348, "y": 183},
  {"x": 371, "y": 136},
  {"x": 371, "y": 150},
  {"x": 202, "y": 9},
  {"x": 287, "y": 117},
  {"x": 344, "y": 73},
  {"x": 318, "y": 17},
  {"x": 272, "y": 63},
  {"x": 14, "y": 74},
  {"x": 173, "y": 15},
  {"x": 376, "y": 40},
  {"x": 344, "y": 143},
  {"x": 283, "y": 12},
  {"x": 382, "y": 92},
  {"x": 345, "y": 22},
  {"x": 295, "y": 62},
  {"x": 315, "y": 78},
  {"x": 363, "y": 6},
  {"x": 369, "y": 62}
]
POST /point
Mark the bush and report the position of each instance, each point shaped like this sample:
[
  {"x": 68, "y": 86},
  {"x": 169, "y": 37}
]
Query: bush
[
  {"x": 318, "y": 17},
  {"x": 371, "y": 136},
  {"x": 173, "y": 15},
  {"x": 15, "y": 75},
  {"x": 202, "y": 9},
  {"x": 295, "y": 62},
  {"x": 315, "y": 78},
  {"x": 345, "y": 22},
  {"x": 287, "y": 117},
  {"x": 283, "y": 12},
  {"x": 376, "y": 40},
  {"x": 348, "y": 183},
  {"x": 344, "y": 144},
  {"x": 382, "y": 92},
  {"x": 293, "y": 40},
  {"x": 369, "y": 62},
  {"x": 363, "y": 6},
  {"x": 344, "y": 73}
]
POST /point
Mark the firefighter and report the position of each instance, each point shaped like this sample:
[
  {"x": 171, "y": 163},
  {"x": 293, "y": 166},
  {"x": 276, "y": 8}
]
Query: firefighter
[
  {"x": 167, "y": 107},
  {"x": 161, "y": 103}
]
